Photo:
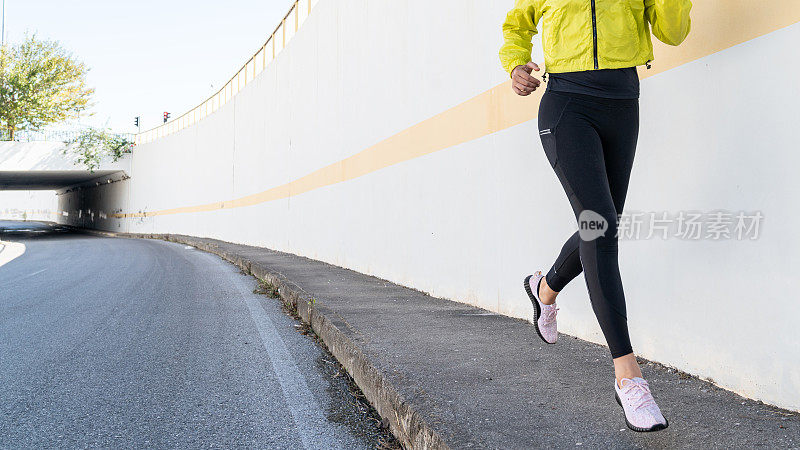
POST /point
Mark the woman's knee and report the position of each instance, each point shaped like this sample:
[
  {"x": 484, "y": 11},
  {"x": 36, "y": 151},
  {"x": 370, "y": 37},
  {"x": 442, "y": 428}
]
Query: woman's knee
[{"x": 600, "y": 225}]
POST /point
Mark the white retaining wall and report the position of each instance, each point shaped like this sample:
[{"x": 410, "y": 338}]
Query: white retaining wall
[{"x": 28, "y": 205}]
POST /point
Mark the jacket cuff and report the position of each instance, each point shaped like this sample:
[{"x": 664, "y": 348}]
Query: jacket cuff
[{"x": 517, "y": 62}]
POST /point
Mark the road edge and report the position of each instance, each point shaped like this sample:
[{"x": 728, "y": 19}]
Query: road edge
[{"x": 408, "y": 426}]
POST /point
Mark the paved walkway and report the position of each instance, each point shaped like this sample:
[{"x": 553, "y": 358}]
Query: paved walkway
[{"x": 447, "y": 374}]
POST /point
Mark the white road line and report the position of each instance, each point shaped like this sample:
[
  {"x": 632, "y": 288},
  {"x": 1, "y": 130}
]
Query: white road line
[
  {"x": 28, "y": 276},
  {"x": 312, "y": 426},
  {"x": 35, "y": 273}
]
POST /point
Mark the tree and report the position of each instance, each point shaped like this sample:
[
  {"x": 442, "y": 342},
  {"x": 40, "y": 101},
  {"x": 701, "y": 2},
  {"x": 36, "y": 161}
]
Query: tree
[
  {"x": 94, "y": 145},
  {"x": 40, "y": 84}
]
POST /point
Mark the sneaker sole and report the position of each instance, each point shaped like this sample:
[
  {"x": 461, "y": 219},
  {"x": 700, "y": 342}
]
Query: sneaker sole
[
  {"x": 537, "y": 311},
  {"x": 656, "y": 427}
]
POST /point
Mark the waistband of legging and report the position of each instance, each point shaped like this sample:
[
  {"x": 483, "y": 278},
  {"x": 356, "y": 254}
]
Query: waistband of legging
[{"x": 595, "y": 99}]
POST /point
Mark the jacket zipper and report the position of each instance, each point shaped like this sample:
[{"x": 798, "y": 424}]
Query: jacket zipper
[{"x": 594, "y": 34}]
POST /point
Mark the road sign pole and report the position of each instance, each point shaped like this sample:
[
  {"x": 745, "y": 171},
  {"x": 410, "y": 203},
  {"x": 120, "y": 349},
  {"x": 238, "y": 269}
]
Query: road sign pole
[{"x": 3, "y": 35}]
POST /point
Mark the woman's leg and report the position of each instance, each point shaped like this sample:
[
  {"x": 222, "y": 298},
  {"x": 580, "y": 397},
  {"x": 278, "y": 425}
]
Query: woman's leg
[
  {"x": 619, "y": 146},
  {"x": 619, "y": 134},
  {"x": 567, "y": 266},
  {"x": 591, "y": 144},
  {"x": 573, "y": 131},
  {"x": 565, "y": 269}
]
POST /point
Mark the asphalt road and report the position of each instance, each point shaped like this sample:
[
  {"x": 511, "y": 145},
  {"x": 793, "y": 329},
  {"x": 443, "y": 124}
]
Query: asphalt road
[{"x": 137, "y": 343}]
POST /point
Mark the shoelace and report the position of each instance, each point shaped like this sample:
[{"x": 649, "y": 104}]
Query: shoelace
[
  {"x": 549, "y": 313},
  {"x": 639, "y": 393}
]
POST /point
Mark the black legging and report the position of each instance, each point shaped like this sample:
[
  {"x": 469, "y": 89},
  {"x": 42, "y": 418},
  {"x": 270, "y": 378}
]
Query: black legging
[{"x": 590, "y": 142}]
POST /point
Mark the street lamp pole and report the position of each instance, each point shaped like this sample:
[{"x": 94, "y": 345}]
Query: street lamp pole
[{"x": 3, "y": 35}]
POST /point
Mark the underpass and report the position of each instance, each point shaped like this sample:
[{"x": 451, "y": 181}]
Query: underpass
[
  {"x": 34, "y": 176},
  {"x": 45, "y": 166}
]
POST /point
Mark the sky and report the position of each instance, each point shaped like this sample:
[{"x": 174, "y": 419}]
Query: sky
[{"x": 147, "y": 57}]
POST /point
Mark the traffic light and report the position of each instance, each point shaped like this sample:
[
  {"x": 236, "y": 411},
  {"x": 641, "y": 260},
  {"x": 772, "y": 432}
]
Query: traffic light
[
  {"x": 136, "y": 121},
  {"x": 166, "y": 117}
]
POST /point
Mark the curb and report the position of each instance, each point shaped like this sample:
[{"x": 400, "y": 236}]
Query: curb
[{"x": 407, "y": 425}]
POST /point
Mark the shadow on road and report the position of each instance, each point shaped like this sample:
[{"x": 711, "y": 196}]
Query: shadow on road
[{"x": 12, "y": 230}]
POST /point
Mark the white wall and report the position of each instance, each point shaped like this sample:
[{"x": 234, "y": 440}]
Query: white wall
[
  {"x": 18, "y": 156},
  {"x": 28, "y": 205},
  {"x": 470, "y": 221}
]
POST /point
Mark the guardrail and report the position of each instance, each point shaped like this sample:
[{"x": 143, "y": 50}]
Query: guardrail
[
  {"x": 54, "y": 136},
  {"x": 276, "y": 42}
]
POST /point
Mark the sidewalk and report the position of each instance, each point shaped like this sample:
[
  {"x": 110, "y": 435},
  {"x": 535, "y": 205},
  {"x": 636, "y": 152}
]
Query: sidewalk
[{"x": 447, "y": 374}]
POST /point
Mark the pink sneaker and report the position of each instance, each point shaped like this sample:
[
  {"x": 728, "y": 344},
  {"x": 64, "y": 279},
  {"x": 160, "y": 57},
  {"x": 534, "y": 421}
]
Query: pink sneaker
[
  {"x": 641, "y": 411},
  {"x": 544, "y": 316}
]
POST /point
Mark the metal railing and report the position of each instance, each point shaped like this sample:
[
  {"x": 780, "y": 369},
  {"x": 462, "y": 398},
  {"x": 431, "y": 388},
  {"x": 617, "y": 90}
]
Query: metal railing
[{"x": 276, "y": 42}]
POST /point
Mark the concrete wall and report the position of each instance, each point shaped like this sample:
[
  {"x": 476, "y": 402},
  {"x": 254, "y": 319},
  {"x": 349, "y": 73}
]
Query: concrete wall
[
  {"x": 28, "y": 205},
  {"x": 38, "y": 156},
  {"x": 386, "y": 139}
]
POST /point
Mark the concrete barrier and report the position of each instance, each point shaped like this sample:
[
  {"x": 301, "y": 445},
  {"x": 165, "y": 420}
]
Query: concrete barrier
[{"x": 385, "y": 139}]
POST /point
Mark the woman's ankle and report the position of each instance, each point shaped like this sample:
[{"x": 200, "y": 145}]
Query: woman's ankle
[
  {"x": 626, "y": 367},
  {"x": 546, "y": 295}
]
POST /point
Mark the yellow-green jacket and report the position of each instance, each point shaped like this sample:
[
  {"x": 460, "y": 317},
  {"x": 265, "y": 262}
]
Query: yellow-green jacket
[{"x": 592, "y": 34}]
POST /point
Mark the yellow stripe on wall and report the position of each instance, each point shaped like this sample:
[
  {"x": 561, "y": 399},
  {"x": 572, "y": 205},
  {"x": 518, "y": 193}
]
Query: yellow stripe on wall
[{"x": 716, "y": 26}]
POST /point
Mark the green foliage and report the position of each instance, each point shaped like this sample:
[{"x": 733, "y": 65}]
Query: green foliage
[
  {"x": 40, "y": 84},
  {"x": 95, "y": 145}
]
